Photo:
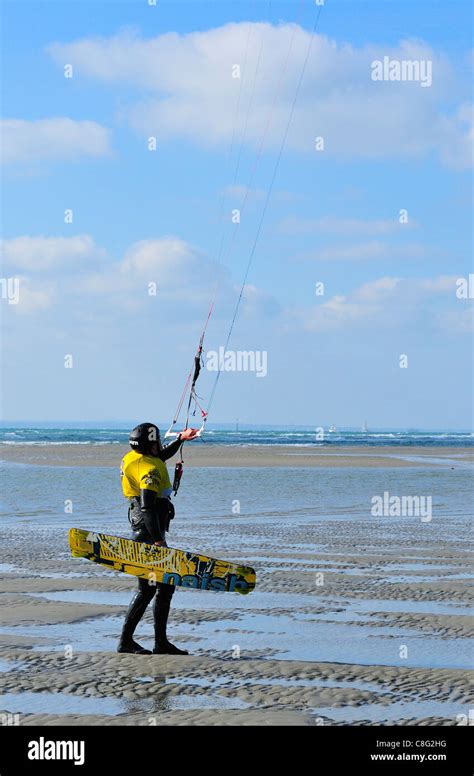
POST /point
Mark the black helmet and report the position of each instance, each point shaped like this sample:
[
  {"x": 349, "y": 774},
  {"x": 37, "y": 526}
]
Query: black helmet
[{"x": 142, "y": 437}]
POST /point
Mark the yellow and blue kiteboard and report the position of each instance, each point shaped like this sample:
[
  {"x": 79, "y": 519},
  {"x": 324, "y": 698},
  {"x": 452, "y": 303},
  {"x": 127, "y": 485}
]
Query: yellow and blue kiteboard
[{"x": 161, "y": 564}]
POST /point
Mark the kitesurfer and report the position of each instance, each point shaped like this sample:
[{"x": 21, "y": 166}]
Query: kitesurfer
[{"x": 146, "y": 483}]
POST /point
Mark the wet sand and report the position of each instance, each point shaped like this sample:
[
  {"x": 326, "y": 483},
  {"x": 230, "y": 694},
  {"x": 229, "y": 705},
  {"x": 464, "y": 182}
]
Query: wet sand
[
  {"x": 49, "y": 675},
  {"x": 156, "y": 690},
  {"x": 354, "y": 621}
]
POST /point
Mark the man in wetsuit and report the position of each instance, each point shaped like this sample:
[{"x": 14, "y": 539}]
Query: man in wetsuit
[{"x": 146, "y": 483}]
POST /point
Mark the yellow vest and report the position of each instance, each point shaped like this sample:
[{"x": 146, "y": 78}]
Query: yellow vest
[{"x": 144, "y": 472}]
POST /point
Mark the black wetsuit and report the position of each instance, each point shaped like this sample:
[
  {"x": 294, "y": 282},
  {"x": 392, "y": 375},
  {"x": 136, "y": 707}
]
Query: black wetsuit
[{"x": 150, "y": 517}]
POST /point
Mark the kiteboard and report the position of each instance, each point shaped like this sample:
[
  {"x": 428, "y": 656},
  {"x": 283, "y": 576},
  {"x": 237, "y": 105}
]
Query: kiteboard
[{"x": 161, "y": 564}]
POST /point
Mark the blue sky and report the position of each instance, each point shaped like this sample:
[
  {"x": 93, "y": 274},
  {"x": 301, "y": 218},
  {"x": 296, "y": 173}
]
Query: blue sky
[{"x": 141, "y": 216}]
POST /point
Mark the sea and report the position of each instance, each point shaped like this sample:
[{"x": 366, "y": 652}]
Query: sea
[{"x": 262, "y": 435}]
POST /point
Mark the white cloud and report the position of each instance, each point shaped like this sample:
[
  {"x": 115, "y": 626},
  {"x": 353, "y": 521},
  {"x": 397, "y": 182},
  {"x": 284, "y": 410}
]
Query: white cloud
[
  {"x": 34, "y": 296},
  {"x": 255, "y": 301},
  {"x": 363, "y": 304},
  {"x": 377, "y": 291},
  {"x": 342, "y": 226},
  {"x": 442, "y": 284},
  {"x": 185, "y": 278},
  {"x": 37, "y": 254},
  {"x": 458, "y": 138},
  {"x": 386, "y": 301},
  {"x": 239, "y": 193},
  {"x": 368, "y": 251},
  {"x": 192, "y": 93},
  {"x": 458, "y": 321},
  {"x": 52, "y": 139},
  {"x": 167, "y": 256},
  {"x": 182, "y": 273}
]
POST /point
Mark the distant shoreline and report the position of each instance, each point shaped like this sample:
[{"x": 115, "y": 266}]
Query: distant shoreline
[{"x": 201, "y": 455}]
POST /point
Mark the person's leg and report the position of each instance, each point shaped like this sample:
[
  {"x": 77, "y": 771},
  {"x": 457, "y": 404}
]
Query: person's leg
[
  {"x": 161, "y": 610},
  {"x": 135, "y": 612}
]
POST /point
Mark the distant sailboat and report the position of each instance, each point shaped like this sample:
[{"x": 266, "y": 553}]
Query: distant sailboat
[
  {"x": 364, "y": 427},
  {"x": 332, "y": 429}
]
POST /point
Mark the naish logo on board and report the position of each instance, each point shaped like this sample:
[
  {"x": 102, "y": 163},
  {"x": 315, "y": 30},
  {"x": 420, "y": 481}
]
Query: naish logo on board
[
  {"x": 206, "y": 582},
  {"x": 43, "y": 749}
]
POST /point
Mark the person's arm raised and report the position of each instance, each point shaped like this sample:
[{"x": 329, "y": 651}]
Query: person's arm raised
[{"x": 169, "y": 450}]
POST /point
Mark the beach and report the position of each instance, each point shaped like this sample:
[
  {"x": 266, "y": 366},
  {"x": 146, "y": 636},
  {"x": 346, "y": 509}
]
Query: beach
[
  {"x": 355, "y": 619},
  {"x": 204, "y": 455}
]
